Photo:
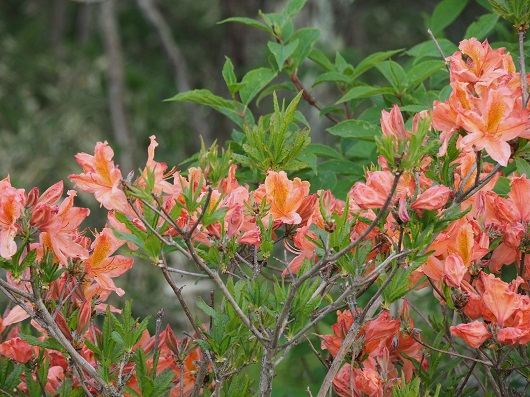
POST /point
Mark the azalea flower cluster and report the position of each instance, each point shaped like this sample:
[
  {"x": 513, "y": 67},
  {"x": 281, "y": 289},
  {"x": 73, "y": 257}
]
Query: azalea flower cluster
[
  {"x": 383, "y": 353},
  {"x": 486, "y": 105}
]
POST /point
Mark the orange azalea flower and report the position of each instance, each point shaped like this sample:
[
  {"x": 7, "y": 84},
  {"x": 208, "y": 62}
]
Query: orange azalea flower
[
  {"x": 479, "y": 63},
  {"x": 304, "y": 248},
  {"x": 18, "y": 350},
  {"x": 101, "y": 266},
  {"x": 474, "y": 334},
  {"x": 285, "y": 196},
  {"x": 102, "y": 178},
  {"x": 500, "y": 299},
  {"x": 495, "y": 120},
  {"x": 61, "y": 233},
  {"x": 11, "y": 204}
]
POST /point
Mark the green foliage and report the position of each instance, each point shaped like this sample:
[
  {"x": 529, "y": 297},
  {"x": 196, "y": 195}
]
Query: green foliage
[
  {"x": 275, "y": 143},
  {"x": 516, "y": 12}
]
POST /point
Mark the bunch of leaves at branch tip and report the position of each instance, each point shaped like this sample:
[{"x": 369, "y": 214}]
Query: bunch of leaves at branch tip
[
  {"x": 517, "y": 12},
  {"x": 276, "y": 142},
  {"x": 214, "y": 166}
]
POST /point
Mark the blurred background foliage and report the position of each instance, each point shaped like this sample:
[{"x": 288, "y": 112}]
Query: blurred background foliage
[{"x": 73, "y": 73}]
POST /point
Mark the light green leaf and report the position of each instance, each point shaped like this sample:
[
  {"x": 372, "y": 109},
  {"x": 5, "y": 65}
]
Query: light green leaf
[
  {"x": 203, "y": 97},
  {"x": 294, "y": 7},
  {"x": 422, "y": 70},
  {"x": 306, "y": 38},
  {"x": 523, "y": 167},
  {"x": 282, "y": 52},
  {"x": 364, "y": 91},
  {"x": 445, "y": 13},
  {"x": 482, "y": 27},
  {"x": 371, "y": 61},
  {"x": 229, "y": 77},
  {"x": 255, "y": 81},
  {"x": 356, "y": 129},
  {"x": 249, "y": 22}
]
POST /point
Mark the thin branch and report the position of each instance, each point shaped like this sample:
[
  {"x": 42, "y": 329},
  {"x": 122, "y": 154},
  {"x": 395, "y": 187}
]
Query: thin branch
[{"x": 439, "y": 49}]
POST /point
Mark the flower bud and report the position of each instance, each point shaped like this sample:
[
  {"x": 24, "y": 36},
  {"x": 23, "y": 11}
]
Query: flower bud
[
  {"x": 84, "y": 316},
  {"x": 33, "y": 196}
]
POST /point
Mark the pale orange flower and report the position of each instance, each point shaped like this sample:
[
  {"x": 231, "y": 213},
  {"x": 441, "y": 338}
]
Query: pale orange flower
[
  {"x": 11, "y": 204},
  {"x": 102, "y": 178},
  {"x": 493, "y": 122},
  {"x": 285, "y": 196},
  {"x": 101, "y": 266}
]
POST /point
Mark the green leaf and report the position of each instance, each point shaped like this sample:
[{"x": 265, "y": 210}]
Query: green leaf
[
  {"x": 201, "y": 304},
  {"x": 429, "y": 49},
  {"x": 321, "y": 59},
  {"x": 255, "y": 81},
  {"x": 364, "y": 91},
  {"x": 371, "y": 61},
  {"x": 523, "y": 167},
  {"x": 294, "y": 7},
  {"x": 203, "y": 97},
  {"x": 323, "y": 151},
  {"x": 249, "y": 22},
  {"x": 282, "y": 52},
  {"x": 356, "y": 129},
  {"x": 306, "y": 38},
  {"x": 502, "y": 187},
  {"x": 445, "y": 13},
  {"x": 229, "y": 77},
  {"x": 341, "y": 167},
  {"x": 482, "y": 27},
  {"x": 394, "y": 74},
  {"x": 421, "y": 71},
  {"x": 331, "y": 77},
  {"x": 48, "y": 343}
]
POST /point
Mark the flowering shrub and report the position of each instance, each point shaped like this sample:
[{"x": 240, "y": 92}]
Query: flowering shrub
[{"x": 441, "y": 211}]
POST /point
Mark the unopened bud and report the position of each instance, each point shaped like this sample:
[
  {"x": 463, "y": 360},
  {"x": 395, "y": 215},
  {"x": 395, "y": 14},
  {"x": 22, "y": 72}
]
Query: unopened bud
[{"x": 84, "y": 316}]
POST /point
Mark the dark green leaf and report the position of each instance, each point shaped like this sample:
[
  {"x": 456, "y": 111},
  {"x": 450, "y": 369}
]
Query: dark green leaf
[{"x": 320, "y": 59}]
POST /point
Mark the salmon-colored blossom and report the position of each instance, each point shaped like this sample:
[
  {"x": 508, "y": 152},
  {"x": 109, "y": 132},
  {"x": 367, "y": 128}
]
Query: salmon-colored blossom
[
  {"x": 101, "y": 266},
  {"x": 474, "y": 334},
  {"x": 102, "y": 178},
  {"x": 18, "y": 350},
  {"x": 11, "y": 204}
]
